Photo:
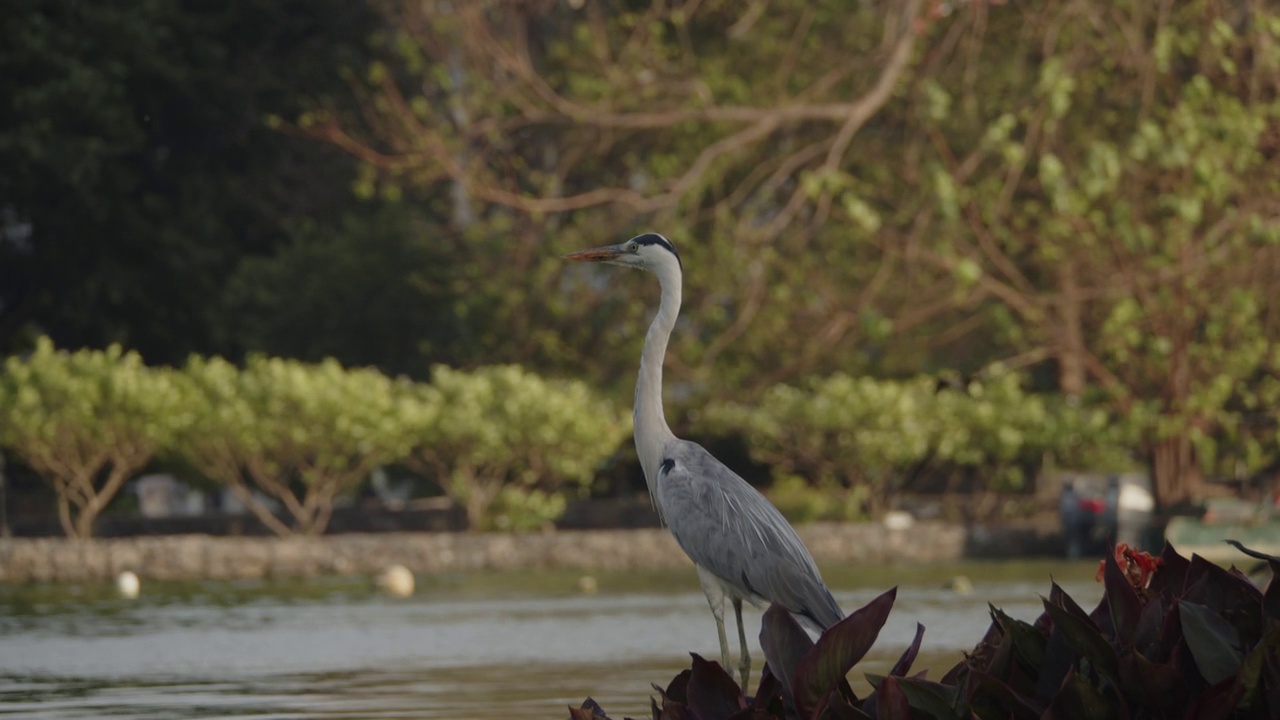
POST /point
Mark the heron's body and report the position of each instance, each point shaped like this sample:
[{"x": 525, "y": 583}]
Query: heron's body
[
  {"x": 742, "y": 546},
  {"x": 755, "y": 555}
]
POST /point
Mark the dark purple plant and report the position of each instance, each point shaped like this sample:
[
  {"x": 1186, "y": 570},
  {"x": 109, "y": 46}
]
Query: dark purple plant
[{"x": 1171, "y": 638}]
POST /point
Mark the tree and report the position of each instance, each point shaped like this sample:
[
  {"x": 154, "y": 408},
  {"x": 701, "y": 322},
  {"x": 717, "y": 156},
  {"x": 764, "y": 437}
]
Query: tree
[
  {"x": 86, "y": 422},
  {"x": 736, "y": 129},
  {"x": 502, "y": 435},
  {"x": 1109, "y": 197},
  {"x": 370, "y": 291},
  {"x": 301, "y": 434},
  {"x": 138, "y": 168}
]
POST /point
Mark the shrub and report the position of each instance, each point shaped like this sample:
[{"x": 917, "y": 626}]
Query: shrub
[
  {"x": 1171, "y": 638},
  {"x": 503, "y": 431},
  {"x": 804, "y": 502},
  {"x": 86, "y": 421},
  {"x": 860, "y": 432}
]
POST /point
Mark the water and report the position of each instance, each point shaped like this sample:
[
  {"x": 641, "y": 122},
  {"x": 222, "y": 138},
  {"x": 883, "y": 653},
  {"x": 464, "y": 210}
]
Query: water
[{"x": 465, "y": 646}]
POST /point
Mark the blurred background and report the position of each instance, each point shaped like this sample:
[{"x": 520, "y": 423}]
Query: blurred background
[
  {"x": 1065, "y": 210},
  {"x": 282, "y": 268}
]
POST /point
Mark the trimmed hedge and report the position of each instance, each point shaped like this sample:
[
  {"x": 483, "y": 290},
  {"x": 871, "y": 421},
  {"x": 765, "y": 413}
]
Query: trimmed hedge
[
  {"x": 870, "y": 438},
  {"x": 505, "y": 443}
]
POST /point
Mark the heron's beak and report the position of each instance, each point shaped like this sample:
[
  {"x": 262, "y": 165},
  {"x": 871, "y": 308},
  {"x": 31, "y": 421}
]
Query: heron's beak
[{"x": 600, "y": 254}]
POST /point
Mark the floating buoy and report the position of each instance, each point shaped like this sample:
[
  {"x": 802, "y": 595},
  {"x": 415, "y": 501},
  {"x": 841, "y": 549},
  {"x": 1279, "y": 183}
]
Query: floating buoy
[
  {"x": 898, "y": 520},
  {"x": 960, "y": 585},
  {"x": 588, "y": 584},
  {"x": 128, "y": 585},
  {"x": 395, "y": 580}
]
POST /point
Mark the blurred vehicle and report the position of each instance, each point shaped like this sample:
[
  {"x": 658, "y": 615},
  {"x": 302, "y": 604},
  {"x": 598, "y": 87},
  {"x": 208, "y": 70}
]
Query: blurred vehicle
[{"x": 1099, "y": 511}]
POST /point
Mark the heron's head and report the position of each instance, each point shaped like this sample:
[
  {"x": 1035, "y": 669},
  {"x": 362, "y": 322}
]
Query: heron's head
[{"x": 649, "y": 251}]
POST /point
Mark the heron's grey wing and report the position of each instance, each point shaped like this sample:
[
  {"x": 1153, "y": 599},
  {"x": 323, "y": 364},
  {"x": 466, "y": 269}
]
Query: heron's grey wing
[{"x": 731, "y": 530}]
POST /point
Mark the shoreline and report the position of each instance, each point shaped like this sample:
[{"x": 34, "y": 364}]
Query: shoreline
[{"x": 207, "y": 557}]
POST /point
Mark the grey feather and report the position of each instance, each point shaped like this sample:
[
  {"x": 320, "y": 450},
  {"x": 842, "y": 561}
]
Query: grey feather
[{"x": 730, "y": 529}]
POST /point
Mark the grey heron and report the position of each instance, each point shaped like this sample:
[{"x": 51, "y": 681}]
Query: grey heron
[{"x": 742, "y": 546}]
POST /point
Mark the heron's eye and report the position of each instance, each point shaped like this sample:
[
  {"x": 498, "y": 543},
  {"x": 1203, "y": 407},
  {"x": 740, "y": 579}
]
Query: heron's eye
[{"x": 633, "y": 248}]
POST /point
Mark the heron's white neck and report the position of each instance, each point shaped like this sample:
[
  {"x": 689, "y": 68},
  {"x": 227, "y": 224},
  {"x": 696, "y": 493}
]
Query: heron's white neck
[{"x": 651, "y": 430}]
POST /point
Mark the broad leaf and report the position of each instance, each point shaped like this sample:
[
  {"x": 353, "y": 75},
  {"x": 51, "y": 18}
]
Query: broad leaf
[
  {"x": 1028, "y": 644},
  {"x": 903, "y": 666},
  {"x": 931, "y": 698},
  {"x": 1170, "y": 579},
  {"x": 1213, "y": 641},
  {"x": 1271, "y": 599},
  {"x": 752, "y": 713},
  {"x": 1251, "y": 670},
  {"x": 1085, "y": 638},
  {"x": 1014, "y": 703},
  {"x": 1211, "y": 585},
  {"x": 1150, "y": 620},
  {"x": 784, "y": 643},
  {"x": 674, "y": 711},
  {"x": 677, "y": 688},
  {"x": 1217, "y": 702},
  {"x": 891, "y": 702},
  {"x": 1058, "y": 660},
  {"x": 1059, "y": 597},
  {"x": 713, "y": 695},
  {"x": 768, "y": 688},
  {"x": 1078, "y": 700},
  {"x": 1154, "y": 686},
  {"x": 836, "y": 652},
  {"x": 1122, "y": 600}
]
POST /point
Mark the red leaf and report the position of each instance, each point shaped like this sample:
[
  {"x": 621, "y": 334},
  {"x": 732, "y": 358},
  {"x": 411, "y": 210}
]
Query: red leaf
[
  {"x": 903, "y": 666},
  {"x": 785, "y": 644},
  {"x": 835, "y": 654},
  {"x": 891, "y": 703},
  {"x": 713, "y": 695}
]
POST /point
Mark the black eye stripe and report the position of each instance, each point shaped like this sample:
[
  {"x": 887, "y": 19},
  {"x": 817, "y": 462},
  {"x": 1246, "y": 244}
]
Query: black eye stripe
[{"x": 656, "y": 239}]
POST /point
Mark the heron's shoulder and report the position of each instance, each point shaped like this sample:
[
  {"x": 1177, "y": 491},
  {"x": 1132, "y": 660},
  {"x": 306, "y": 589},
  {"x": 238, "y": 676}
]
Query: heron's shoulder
[{"x": 689, "y": 456}]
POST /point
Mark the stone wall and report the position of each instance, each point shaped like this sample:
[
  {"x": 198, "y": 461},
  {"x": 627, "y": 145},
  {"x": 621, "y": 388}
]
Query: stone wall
[{"x": 191, "y": 557}]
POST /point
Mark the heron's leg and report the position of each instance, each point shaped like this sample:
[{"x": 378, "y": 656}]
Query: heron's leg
[
  {"x": 744, "y": 659},
  {"x": 715, "y": 598},
  {"x": 718, "y": 612}
]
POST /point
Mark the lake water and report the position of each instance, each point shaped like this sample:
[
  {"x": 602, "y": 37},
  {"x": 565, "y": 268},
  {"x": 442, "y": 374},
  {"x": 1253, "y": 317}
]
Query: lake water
[{"x": 464, "y": 646}]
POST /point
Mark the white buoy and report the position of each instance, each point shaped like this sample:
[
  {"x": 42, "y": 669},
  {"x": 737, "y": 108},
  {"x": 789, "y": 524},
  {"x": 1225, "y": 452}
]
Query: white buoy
[
  {"x": 960, "y": 585},
  {"x": 898, "y": 520},
  {"x": 395, "y": 580},
  {"x": 128, "y": 585},
  {"x": 588, "y": 584}
]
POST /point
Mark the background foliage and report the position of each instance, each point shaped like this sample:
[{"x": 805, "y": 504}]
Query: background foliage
[
  {"x": 508, "y": 445},
  {"x": 87, "y": 422},
  {"x": 871, "y": 439},
  {"x": 292, "y": 439},
  {"x": 1082, "y": 192}
]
